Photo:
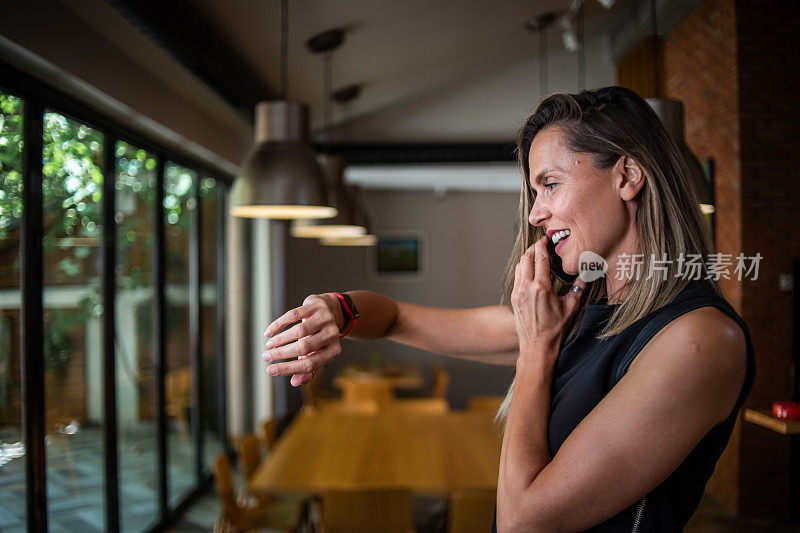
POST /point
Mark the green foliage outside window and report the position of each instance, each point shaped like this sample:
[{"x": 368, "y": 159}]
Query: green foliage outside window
[
  {"x": 72, "y": 188},
  {"x": 11, "y": 146}
]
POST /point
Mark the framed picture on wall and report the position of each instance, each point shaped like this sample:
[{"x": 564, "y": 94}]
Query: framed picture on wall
[{"x": 399, "y": 255}]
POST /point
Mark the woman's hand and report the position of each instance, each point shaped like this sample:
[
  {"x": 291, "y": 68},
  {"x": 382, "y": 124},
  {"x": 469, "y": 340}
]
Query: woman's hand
[
  {"x": 539, "y": 314},
  {"x": 314, "y": 341}
]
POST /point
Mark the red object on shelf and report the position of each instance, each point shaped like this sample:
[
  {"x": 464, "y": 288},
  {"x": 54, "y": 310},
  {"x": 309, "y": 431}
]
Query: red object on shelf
[{"x": 787, "y": 410}]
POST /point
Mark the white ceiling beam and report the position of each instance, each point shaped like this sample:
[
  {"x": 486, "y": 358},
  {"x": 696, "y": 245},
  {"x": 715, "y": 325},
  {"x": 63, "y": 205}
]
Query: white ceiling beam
[{"x": 487, "y": 177}]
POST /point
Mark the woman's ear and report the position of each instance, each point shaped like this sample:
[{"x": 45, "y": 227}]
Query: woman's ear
[{"x": 630, "y": 177}]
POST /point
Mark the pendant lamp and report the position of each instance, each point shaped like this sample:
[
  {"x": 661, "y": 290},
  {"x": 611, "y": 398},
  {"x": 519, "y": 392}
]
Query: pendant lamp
[
  {"x": 670, "y": 112},
  {"x": 362, "y": 218},
  {"x": 280, "y": 177},
  {"x": 364, "y": 240},
  {"x": 344, "y": 224},
  {"x": 345, "y": 97},
  {"x": 539, "y": 25}
]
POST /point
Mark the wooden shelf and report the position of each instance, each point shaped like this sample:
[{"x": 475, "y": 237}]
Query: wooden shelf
[{"x": 763, "y": 417}]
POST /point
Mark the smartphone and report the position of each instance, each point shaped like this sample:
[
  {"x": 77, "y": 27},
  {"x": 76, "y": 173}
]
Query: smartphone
[{"x": 555, "y": 264}]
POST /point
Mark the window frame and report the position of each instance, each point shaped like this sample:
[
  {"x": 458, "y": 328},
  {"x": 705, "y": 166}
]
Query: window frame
[{"x": 39, "y": 98}]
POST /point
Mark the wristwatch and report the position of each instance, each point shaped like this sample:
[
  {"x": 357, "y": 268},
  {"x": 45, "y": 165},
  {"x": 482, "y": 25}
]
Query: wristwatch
[
  {"x": 349, "y": 310},
  {"x": 351, "y": 305}
]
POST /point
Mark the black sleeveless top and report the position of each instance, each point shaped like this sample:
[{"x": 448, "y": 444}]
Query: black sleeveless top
[{"x": 587, "y": 369}]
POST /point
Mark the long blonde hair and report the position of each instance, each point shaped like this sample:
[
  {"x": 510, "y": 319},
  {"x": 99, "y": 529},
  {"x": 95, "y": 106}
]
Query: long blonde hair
[{"x": 608, "y": 123}]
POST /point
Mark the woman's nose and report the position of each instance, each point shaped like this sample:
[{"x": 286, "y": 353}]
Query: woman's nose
[{"x": 538, "y": 214}]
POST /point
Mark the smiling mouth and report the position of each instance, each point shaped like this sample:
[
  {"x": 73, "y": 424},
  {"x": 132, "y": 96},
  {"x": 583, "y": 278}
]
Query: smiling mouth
[
  {"x": 561, "y": 244},
  {"x": 560, "y": 236}
]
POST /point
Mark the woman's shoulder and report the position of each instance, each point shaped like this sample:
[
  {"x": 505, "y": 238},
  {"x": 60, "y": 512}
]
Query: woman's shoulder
[
  {"x": 699, "y": 316},
  {"x": 707, "y": 326},
  {"x": 703, "y": 314},
  {"x": 706, "y": 340}
]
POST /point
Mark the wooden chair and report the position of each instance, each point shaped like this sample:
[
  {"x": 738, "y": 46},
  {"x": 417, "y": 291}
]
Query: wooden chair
[
  {"x": 421, "y": 405},
  {"x": 441, "y": 380},
  {"x": 436, "y": 403},
  {"x": 278, "y": 514},
  {"x": 178, "y": 400},
  {"x": 368, "y": 390},
  {"x": 268, "y": 434},
  {"x": 485, "y": 403},
  {"x": 315, "y": 397},
  {"x": 366, "y": 511},
  {"x": 249, "y": 450},
  {"x": 471, "y": 511},
  {"x": 360, "y": 408}
]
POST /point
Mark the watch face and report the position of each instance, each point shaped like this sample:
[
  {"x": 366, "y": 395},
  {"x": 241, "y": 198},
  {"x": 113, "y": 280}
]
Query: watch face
[{"x": 350, "y": 304}]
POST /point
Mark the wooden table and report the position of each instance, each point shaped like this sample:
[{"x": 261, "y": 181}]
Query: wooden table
[
  {"x": 398, "y": 376},
  {"x": 763, "y": 417},
  {"x": 431, "y": 454}
]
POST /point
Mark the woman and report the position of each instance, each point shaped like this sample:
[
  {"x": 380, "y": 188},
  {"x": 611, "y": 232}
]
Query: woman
[{"x": 627, "y": 387}]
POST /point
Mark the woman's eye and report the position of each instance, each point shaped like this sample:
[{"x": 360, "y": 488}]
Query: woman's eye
[{"x": 550, "y": 185}]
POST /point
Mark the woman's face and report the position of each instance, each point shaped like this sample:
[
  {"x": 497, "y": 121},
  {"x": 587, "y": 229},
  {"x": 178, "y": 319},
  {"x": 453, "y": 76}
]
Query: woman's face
[{"x": 572, "y": 194}]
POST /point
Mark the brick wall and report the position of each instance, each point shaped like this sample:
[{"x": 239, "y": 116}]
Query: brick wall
[
  {"x": 700, "y": 70},
  {"x": 733, "y": 64}
]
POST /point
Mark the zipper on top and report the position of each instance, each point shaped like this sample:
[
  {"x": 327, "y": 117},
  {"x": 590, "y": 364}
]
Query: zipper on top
[{"x": 638, "y": 519}]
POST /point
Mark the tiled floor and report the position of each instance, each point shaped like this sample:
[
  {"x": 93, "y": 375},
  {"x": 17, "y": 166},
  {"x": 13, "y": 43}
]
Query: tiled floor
[
  {"x": 75, "y": 480},
  {"x": 75, "y": 491}
]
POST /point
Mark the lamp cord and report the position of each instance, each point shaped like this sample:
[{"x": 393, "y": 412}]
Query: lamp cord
[
  {"x": 327, "y": 89},
  {"x": 581, "y": 50},
  {"x": 654, "y": 32},
  {"x": 284, "y": 48},
  {"x": 348, "y": 119},
  {"x": 543, "y": 67}
]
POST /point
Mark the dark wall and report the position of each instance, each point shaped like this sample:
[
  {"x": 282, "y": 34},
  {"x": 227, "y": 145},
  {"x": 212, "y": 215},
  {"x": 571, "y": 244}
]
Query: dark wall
[{"x": 733, "y": 64}]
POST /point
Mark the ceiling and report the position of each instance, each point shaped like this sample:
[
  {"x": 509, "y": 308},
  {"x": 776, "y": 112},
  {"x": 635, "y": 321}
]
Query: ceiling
[
  {"x": 444, "y": 80},
  {"x": 432, "y": 70}
]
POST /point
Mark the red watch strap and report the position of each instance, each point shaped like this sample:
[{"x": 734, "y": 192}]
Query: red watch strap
[
  {"x": 349, "y": 312},
  {"x": 349, "y": 329}
]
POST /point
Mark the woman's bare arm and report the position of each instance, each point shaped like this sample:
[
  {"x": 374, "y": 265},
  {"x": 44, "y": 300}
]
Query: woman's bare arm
[
  {"x": 685, "y": 381},
  {"x": 485, "y": 334}
]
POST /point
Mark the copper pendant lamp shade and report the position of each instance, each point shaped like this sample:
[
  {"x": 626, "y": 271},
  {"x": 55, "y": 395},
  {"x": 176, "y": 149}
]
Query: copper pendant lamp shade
[
  {"x": 281, "y": 178},
  {"x": 344, "y": 224}
]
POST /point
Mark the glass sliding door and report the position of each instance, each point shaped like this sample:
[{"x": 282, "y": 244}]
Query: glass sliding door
[
  {"x": 135, "y": 190},
  {"x": 210, "y": 198},
  {"x": 12, "y": 449},
  {"x": 72, "y": 206},
  {"x": 179, "y": 201},
  {"x": 54, "y": 464}
]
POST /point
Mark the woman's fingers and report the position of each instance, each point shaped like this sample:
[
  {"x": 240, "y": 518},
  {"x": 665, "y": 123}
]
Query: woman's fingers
[
  {"x": 526, "y": 265},
  {"x": 293, "y": 315},
  {"x": 301, "y": 379},
  {"x": 307, "y": 364},
  {"x": 312, "y": 339},
  {"x": 303, "y": 346},
  {"x": 574, "y": 297},
  {"x": 541, "y": 263},
  {"x": 308, "y": 326}
]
